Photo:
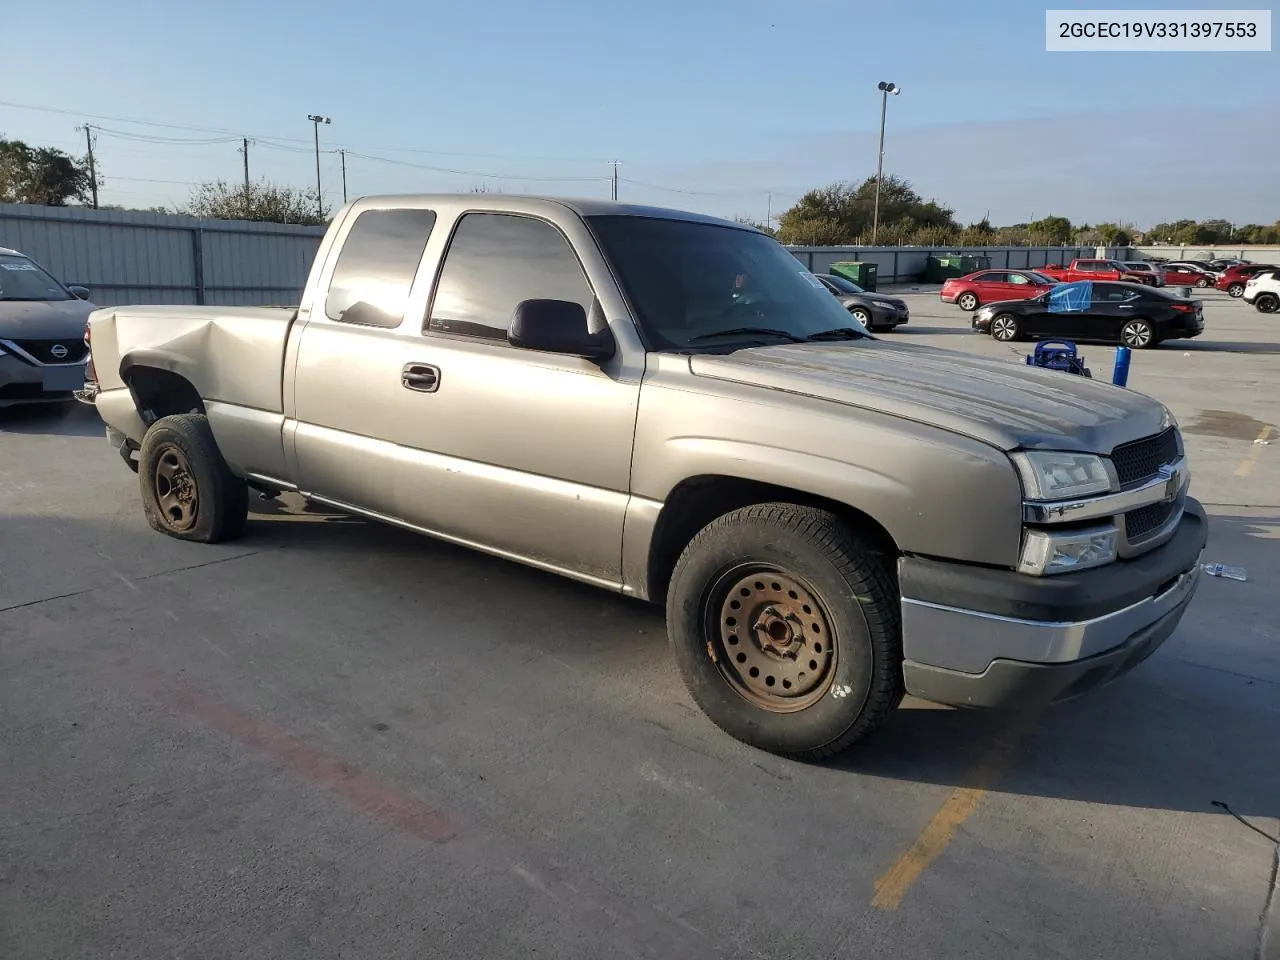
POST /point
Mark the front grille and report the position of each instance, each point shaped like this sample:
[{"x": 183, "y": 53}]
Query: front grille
[
  {"x": 43, "y": 350},
  {"x": 1140, "y": 523},
  {"x": 1141, "y": 460}
]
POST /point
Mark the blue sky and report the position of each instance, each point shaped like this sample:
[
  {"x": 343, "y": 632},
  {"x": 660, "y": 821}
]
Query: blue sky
[{"x": 708, "y": 105}]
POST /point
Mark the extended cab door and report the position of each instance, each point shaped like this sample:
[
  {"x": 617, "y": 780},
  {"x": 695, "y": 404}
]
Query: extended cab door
[
  {"x": 440, "y": 424},
  {"x": 523, "y": 452}
]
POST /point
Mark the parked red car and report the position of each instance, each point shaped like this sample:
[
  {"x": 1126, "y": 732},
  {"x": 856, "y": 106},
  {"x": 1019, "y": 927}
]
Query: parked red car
[
  {"x": 990, "y": 286},
  {"x": 1234, "y": 278},
  {"x": 1185, "y": 275}
]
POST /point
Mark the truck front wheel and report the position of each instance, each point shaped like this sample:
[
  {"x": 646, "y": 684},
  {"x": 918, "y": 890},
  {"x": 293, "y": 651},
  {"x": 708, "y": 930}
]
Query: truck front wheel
[
  {"x": 188, "y": 491},
  {"x": 786, "y": 629}
]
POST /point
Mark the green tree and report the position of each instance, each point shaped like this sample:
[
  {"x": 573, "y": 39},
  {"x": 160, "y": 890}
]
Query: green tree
[
  {"x": 264, "y": 201},
  {"x": 42, "y": 175},
  {"x": 1052, "y": 231},
  {"x": 843, "y": 213},
  {"x": 762, "y": 227}
]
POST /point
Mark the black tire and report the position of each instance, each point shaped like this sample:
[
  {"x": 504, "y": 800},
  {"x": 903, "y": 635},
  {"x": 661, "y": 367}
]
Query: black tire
[
  {"x": 967, "y": 301},
  {"x": 1202, "y": 282},
  {"x": 852, "y": 591},
  {"x": 188, "y": 491},
  {"x": 1235, "y": 290},
  {"x": 862, "y": 315},
  {"x": 1139, "y": 334},
  {"x": 1005, "y": 328},
  {"x": 1266, "y": 303}
]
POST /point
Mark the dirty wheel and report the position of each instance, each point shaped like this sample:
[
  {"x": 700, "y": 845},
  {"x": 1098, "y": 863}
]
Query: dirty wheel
[
  {"x": 1138, "y": 334},
  {"x": 967, "y": 301},
  {"x": 188, "y": 491},
  {"x": 1235, "y": 290},
  {"x": 1267, "y": 303},
  {"x": 1005, "y": 328},
  {"x": 785, "y": 626}
]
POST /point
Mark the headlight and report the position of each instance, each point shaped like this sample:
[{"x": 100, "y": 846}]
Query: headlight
[
  {"x": 1045, "y": 553},
  {"x": 1050, "y": 475}
]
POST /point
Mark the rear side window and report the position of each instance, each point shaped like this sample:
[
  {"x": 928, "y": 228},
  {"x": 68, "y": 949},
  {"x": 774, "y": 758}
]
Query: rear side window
[
  {"x": 376, "y": 266},
  {"x": 495, "y": 260}
]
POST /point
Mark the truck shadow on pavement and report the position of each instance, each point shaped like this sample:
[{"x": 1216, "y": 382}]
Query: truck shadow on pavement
[
  {"x": 1174, "y": 734},
  {"x": 71, "y": 419}
]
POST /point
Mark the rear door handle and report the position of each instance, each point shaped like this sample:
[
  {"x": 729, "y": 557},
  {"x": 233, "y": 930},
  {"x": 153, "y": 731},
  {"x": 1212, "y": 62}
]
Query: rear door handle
[{"x": 421, "y": 377}]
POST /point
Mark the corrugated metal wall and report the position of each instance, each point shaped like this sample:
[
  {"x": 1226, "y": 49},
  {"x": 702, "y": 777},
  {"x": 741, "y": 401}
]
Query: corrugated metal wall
[
  {"x": 904, "y": 264},
  {"x": 131, "y": 257}
]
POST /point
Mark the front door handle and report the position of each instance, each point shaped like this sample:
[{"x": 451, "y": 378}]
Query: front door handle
[
  {"x": 1125, "y": 306},
  {"x": 421, "y": 377}
]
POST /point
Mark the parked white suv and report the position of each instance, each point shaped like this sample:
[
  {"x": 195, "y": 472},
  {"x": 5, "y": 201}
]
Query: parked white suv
[{"x": 1263, "y": 291}]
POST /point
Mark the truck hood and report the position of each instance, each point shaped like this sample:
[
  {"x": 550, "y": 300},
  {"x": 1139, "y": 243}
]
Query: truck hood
[
  {"x": 44, "y": 319},
  {"x": 1000, "y": 402}
]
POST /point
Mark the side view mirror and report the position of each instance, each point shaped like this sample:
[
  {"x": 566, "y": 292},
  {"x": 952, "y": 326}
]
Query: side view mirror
[
  {"x": 558, "y": 326},
  {"x": 81, "y": 293}
]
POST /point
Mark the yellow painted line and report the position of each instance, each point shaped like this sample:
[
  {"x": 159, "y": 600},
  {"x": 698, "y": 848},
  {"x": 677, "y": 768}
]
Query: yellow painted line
[
  {"x": 893, "y": 885},
  {"x": 1251, "y": 458}
]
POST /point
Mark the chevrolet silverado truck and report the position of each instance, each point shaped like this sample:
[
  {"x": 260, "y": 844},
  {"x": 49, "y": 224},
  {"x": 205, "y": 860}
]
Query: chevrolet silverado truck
[
  {"x": 1096, "y": 270},
  {"x": 830, "y": 519}
]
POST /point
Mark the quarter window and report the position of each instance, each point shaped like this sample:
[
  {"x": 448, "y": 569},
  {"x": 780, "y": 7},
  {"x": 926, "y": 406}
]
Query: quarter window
[
  {"x": 496, "y": 260},
  {"x": 376, "y": 267}
]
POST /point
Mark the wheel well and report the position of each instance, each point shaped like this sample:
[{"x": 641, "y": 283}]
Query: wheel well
[
  {"x": 161, "y": 393},
  {"x": 696, "y": 502}
]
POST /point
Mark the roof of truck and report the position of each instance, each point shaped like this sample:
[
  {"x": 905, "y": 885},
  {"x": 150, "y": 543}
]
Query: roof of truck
[{"x": 583, "y": 206}]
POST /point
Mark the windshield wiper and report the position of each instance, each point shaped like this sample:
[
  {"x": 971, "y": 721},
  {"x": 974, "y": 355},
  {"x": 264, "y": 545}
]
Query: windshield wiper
[
  {"x": 748, "y": 331},
  {"x": 839, "y": 333}
]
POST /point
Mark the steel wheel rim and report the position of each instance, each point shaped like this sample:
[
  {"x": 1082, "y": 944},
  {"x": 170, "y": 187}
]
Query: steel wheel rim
[
  {"x": 175, "y": 487},
  {"x": 772, "y": 638},
  {"x": 968, "y": 301},
  {"x": 1136, "y": 334},
  {"x": 862, "y": 317},
  {"x": 1002, "y": 328}
]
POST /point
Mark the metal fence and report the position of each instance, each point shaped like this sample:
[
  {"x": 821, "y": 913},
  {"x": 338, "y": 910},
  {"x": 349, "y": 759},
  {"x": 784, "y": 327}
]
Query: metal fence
[
  {"x": 907, "y": 264},
  {"x": 133, "y": 257},
  {"x": 1252, "y": 254}
]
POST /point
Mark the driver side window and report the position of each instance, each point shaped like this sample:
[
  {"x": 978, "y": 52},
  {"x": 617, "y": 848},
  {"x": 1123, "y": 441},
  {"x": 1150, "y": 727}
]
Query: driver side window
[{"x": 494, "y": 261}]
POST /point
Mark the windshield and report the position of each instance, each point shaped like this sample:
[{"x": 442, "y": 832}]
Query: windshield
[
  {"x": 841, "y": 284},
  {"x": 1035, "y": 277},
  {"x": 20, "y": 279},
  {"x": 705, "y": 286}
]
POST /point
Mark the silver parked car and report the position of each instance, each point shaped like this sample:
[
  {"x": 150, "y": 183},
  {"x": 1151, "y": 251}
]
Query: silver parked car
[
  {"x": 42, "y": 330},
  {"x": 1146, "y": 268}
]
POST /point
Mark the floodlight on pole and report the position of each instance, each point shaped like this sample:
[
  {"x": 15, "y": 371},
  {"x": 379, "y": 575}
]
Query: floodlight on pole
[
  {"x": 316, "y": 119},
  {"x": 885, "y": 89}
]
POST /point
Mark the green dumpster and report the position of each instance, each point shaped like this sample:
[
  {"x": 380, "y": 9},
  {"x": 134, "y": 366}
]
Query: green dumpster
[
  {"x": 860, "y": 272},
  {"x": 938, "y": 269}
]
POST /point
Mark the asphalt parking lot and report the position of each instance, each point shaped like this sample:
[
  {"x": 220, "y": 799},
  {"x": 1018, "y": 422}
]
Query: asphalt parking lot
[{"x": 334, "y": 739}]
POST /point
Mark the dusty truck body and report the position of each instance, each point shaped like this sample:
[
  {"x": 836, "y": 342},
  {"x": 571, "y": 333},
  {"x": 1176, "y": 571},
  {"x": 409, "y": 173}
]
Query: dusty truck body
[{"x": 670, "y": 406}]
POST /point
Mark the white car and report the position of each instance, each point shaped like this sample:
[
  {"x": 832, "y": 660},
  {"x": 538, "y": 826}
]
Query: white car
[{"x": 1263, "y": 291}]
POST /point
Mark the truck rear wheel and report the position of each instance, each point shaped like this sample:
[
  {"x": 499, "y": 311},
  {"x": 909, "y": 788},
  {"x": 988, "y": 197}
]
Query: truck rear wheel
[
  {"x": 188, "y": 491},
  {"x": 786, "y": 629}
]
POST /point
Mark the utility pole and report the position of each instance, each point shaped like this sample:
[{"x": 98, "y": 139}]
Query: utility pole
[
  {"x": 343, "y": 155},
  {"x": 768, "y": 217},
  {"x": 615, "y": 179},
  {"x": 93, "y": 169},
  {"x": 316, "y": 120},
  {"x": 244, "y": 148},
  {"x": 885, "y": 89}
]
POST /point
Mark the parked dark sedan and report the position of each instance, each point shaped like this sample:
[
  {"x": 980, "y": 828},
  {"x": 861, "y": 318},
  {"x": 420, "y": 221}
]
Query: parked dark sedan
[
  {"x": 874, "y": 311},
  {"x": 1129, "y": 313}
]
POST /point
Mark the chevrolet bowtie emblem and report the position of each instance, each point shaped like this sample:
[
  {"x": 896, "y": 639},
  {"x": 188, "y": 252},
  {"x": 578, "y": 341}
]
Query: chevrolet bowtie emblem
[{"x": 1172, "y": 483}]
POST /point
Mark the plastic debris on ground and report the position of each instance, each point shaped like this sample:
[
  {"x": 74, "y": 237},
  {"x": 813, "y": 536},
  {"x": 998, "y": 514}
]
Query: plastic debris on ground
[{"x": 1226, "y": 572}]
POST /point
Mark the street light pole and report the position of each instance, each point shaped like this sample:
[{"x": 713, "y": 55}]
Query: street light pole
[
  {"x": 885, "y": 89},
  {"x": 316, "y": 119}
]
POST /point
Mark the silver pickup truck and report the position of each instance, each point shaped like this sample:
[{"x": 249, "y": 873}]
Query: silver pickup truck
[{"x": 669, "y": 406}]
